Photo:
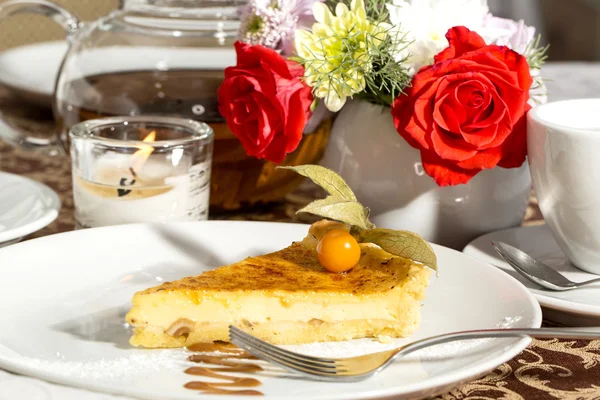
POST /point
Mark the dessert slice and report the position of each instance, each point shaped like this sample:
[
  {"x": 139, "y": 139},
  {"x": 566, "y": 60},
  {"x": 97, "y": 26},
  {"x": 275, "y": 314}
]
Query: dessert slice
[{"x": 285, "y": 297}]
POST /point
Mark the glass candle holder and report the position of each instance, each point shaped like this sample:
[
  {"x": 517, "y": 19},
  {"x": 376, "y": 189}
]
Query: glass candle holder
[{"x": 140, "y": 169}]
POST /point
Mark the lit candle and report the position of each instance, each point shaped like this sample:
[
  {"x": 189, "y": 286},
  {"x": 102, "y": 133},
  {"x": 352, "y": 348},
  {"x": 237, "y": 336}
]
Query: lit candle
[{"x": 116, "y": 187}]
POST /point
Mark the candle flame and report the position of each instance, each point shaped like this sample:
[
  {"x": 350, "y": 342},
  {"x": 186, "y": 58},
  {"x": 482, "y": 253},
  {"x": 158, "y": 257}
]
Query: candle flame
[{"x": 139, "y": 158}]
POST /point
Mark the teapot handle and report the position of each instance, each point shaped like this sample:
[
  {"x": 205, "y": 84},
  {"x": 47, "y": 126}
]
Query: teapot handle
[
  {"x": 59, "y": 15},
  {"x": 16, "y": 136}
]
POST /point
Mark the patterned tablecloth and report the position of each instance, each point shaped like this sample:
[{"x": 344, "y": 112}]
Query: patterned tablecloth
[{"x": 547, "y": 369}]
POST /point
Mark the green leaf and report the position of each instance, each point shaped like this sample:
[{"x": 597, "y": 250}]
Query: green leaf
[
  {"x": 328, "y": 180},
  {"x": 401, "y": 243},
  {"x": 348, "y": 212}
]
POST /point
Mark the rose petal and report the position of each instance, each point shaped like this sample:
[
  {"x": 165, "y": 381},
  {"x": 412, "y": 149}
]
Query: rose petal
[
  {"x": 515, "y": 98},
  {"x": 267, "y": 122},
  {"x": 514, "y": 148},
  {"x": 462, "y": 40},
  {"x": 276, "y": 151},
  {"x": 451, "y": 148},
  {"x": 514, "y": 62},
  {"x": 477, "y": 64},
  {"x": 452, "y": 115},
  {"x": 483, "y": 159},
  {"x": 503, "y": 127},
  {"x": 412, "y": 111},
  {"x": 296, "y": 121},
  {"x": 449, "y": 116},
  {"x": 480, "y": 114},
  {"x": 494, "y": 115},
  {"x": 242, "y": 110},
  {"x": 422, "y": 108},
  {"x": 445, "y": 173},
  {"x": 252, "y": 56},
  {"x": 468, "y": 92},
  {"x": 406, "y": 121},
  {"x": 296, "y": 69},
  {"x": 496, "y": 111},
  {"x": 481, "y": 138}
]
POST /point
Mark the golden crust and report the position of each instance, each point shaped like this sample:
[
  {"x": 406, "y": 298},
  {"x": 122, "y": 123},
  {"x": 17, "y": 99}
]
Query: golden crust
[{"x": 296, "y": 268}]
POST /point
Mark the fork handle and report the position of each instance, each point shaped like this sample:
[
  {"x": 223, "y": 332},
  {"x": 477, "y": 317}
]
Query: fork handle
[
  {"x": 587, "y": 282},
  {"x": 542, "y": 333}
]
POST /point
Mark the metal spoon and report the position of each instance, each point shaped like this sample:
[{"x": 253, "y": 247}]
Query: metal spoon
[{"x": 535, "y": 270}]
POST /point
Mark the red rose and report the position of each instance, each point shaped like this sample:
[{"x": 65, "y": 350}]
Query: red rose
[
  {"x": 466, "y": 112},
  {"x": 264, "y": 102}
]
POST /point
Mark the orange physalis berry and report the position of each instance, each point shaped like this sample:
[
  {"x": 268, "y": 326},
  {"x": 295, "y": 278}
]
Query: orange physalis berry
[{"x": 338, "y": 251}]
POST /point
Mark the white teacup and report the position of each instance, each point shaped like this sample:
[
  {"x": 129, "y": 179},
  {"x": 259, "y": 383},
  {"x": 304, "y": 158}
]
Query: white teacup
[{"x": 564, "y": 159}]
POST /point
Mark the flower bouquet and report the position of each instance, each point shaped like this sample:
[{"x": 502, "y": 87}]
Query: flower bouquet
[{"x": 455, "y": 82}]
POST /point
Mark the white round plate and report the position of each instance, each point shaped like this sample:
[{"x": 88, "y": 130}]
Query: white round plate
[
  {"x": 575, "y": 307},
  {"x": 32, "y": 70},
  {"x": 67, "y": 299},
  {"x": 26, "y": 206}
]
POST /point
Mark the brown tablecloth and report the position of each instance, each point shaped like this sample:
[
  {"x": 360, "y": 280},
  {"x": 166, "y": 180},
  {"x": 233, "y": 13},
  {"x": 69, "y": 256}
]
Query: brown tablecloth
[{"x": 547, "y": 369}]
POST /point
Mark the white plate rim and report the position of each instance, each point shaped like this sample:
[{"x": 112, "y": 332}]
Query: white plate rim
[
  {"x": 441, "y": 383},
  {"x": 544, "y": 300},
  {"x": 46, "y": 219}
]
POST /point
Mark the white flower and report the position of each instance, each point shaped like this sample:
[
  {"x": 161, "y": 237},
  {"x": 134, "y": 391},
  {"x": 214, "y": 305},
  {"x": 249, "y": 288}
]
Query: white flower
[
  {"x": 272, "y": 23},
  {"x": 266, "y": 23},
  {"x": 506, "y": 32},
  {"x": 426, "y": 22}
]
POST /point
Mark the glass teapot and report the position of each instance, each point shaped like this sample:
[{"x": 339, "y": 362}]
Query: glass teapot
[{"x": 161, "y": 57}]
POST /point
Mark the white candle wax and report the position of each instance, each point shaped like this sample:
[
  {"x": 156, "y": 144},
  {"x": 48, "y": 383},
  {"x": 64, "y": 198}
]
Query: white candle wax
[{"x": 160, "y": 193}]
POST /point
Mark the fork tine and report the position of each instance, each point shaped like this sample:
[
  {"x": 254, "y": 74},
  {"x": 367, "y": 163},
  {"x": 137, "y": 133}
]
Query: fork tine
[
  {"x": 279, "y": 349},
  {"x": 282, "y": 362},
  {"x": 267, "y": 346},
  {"x": 258, "y": 351}
]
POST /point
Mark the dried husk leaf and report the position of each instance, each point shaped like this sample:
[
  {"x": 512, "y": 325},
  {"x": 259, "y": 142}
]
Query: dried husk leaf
[
  {"x": 401, "y": 243},
  {"x": 327, "y": 179},
  {"x": 348, "y": 212}
]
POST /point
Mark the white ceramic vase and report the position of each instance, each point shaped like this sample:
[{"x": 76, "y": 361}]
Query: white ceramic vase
[{"x": 387, "y": 176}]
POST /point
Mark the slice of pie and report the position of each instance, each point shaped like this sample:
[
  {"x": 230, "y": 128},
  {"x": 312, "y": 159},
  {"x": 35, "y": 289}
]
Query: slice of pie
[{"x": 285, "y": 297}]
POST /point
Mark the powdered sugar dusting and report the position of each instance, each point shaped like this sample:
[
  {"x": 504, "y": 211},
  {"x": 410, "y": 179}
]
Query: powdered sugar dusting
[
  {"x": 509, "y": 322},
  {"x": 366, "y": 346},
  {"x": 121, "y": 368}
]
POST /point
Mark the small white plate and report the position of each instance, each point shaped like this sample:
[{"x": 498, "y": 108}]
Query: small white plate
[
  {"x": 26, "y": 206},
  {"x": 578, "y": 307},
  {"x": 31, "y": 71},
  {"x": 68, "y": 296}
]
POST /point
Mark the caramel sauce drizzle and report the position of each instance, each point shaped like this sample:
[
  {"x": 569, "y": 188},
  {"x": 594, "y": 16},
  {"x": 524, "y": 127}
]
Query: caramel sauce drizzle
[
  {"x": 222, "y": 347},
  {"x": 223, "y": 363}
]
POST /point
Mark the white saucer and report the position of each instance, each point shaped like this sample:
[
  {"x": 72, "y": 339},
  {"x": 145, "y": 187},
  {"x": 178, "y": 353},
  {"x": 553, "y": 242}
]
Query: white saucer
[
  {"x": 26, "y": 206},
  {"x": 31, "y": 71},
  {"x": 575, "y": 307}
]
